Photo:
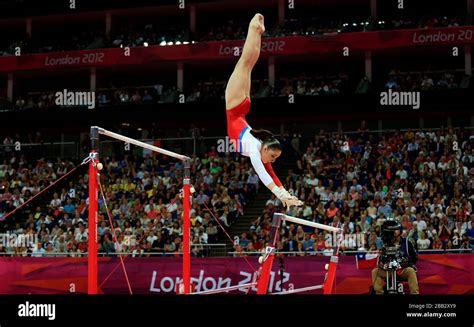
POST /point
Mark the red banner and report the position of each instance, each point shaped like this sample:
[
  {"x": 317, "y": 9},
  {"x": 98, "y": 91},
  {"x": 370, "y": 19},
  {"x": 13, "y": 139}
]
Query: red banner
[
  {"x": 209, "y": 51},
  {"x": 437, "y": 274}
]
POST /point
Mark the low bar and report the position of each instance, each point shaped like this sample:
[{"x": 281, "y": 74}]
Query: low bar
[
  {"x": 310, "y": 223},
  {"x": 225, "y": 289},
  {"x": 299, "y": 290}
]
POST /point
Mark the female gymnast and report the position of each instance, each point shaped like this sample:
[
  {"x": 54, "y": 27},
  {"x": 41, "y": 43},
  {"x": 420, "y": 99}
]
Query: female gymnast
[{"x": 260, "y": 145}]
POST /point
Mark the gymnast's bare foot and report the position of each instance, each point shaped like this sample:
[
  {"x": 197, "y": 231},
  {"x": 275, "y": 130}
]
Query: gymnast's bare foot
[{"x": 257, "y": 23}]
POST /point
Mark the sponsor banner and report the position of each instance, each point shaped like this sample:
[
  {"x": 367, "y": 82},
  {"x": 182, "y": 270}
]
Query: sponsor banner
[
  {"x": 437, "y": 274},
  {"x": 295, "y": 45}
]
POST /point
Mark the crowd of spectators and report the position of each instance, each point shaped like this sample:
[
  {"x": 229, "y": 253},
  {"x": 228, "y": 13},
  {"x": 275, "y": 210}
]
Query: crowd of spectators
[
  {"x": 426, "y": 81},
  {"x": 201, "y": 91},
  {"x": 143, "y": 196},
  {"x": 104, "y": 97},
  {"x": 304, "y": 84},
  {"x": 422, "y": 178}
]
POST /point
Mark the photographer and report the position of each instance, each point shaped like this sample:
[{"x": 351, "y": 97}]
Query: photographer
[{"x": 398, "y": 256}]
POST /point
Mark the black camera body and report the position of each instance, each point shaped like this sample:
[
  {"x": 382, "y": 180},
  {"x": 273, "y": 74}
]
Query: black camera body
[
  {"x": 390, "y": 258},
  {"x": 395, "y": 256}
]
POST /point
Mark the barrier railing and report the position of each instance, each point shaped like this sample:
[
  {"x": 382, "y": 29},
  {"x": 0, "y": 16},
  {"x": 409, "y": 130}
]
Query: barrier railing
[
  {"x": 46, "y": 149},
  {"x": 189, "y": 145},
  {"x": 220, "y": 250},
  {"x": 206, "y": 250},
  {"x": 321, "y": 253}
]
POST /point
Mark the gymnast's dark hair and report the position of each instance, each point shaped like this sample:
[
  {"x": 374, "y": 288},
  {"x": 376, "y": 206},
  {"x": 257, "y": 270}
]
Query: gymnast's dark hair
[{"x": 267, "y": 138}]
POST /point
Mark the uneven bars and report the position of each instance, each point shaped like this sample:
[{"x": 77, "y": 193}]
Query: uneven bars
[
  {"x": 142, "y": 144},
  {"x": 309, "y": 223},
  {"x": 225, "y": 289}
]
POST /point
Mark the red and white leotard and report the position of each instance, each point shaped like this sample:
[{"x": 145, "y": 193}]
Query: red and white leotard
[{"x": 245, "y": 143}]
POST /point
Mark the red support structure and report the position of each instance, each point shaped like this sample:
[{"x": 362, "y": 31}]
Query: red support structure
[
  {"x": 266, "y": 270},
  {"x": 330, "y": 275},
  {"x": 93, "y": 175},
  {"x": 269, "y": 256},
  {"x": 186, "y": 229},
  {"x": 92, "y": 272}
]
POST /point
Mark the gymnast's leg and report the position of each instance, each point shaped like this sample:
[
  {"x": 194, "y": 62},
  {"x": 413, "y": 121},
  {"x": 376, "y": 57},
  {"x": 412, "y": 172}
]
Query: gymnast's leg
[{"x": 238, "y": 86}]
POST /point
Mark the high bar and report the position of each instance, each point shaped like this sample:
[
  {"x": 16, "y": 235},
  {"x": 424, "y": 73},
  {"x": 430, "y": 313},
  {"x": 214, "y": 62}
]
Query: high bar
[
  {"x": 141, "y": 144},
  {"x": 309, "y": 223}
]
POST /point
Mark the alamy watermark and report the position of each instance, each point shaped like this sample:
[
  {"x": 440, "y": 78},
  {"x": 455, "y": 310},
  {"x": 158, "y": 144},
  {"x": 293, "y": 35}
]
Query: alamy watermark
[
  {"x": 356, "y": 241},
  {"x": 70, "y": 98},
  {"x": 37, "y": 310},
  {"x": 232, "y": 145},
  {"x": 396, "y": 98},
  {"x": 10, "y": 240}
]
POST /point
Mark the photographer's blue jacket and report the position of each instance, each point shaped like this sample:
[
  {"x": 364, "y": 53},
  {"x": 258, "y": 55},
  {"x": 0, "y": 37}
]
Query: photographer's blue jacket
[{"x": 408, "y": 250}]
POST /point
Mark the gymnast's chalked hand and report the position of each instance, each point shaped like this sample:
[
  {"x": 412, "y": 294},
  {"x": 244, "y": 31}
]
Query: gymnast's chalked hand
[{"x": 291, "y": 201}]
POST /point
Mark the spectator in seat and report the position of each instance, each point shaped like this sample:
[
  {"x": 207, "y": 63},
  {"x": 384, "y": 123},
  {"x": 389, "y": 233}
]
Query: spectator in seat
[{"x": 423, "y": 242}]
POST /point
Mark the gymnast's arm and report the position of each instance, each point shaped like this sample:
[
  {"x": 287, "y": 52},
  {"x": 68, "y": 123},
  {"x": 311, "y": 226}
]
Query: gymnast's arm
[
  {"x": 271, "y": 172},
  {"x": 262, "y": 173},
  {"x": 273, "y": 184}
]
